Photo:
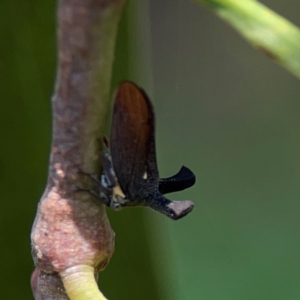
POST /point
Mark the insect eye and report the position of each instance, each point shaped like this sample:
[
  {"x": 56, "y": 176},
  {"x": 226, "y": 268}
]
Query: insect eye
[{"x": 104, "y": 181}]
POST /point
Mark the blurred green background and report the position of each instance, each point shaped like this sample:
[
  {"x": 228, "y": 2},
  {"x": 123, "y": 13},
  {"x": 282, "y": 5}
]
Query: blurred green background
[{"x": 222, "y": 109}]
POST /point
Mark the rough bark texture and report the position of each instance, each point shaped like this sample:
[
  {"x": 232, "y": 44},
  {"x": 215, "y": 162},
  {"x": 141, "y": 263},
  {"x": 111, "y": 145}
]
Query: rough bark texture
[{"x": 71, "y": 228}]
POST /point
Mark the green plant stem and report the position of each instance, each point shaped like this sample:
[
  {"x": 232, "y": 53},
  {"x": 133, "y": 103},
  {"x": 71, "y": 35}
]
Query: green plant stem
[
  {"x": 80, "y": 283},
  {"x": 265, "y": 30}
]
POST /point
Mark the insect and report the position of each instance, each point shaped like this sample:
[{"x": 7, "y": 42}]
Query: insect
[{"x": 130, "y": 174}]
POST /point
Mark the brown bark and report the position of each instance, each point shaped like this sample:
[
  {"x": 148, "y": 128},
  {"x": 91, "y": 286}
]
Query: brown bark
[{"x": 71, "y": 228}]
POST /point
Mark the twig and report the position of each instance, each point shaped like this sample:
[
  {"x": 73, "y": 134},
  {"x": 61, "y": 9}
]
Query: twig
[{"x": 71, "y": 235}]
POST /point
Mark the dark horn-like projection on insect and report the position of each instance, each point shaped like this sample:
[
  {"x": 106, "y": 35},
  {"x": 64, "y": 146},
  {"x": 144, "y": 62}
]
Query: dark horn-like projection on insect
[{"x": 130, "y": 176}]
